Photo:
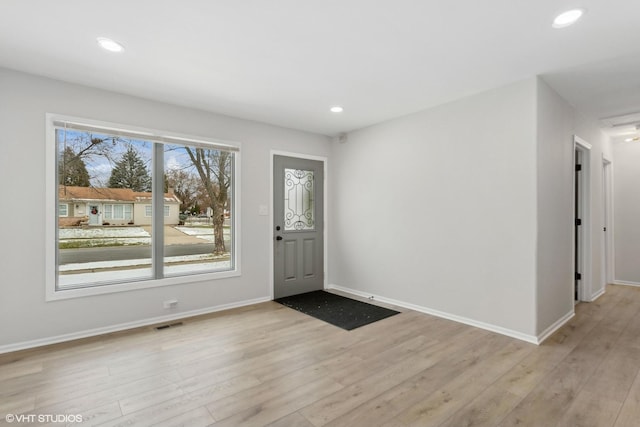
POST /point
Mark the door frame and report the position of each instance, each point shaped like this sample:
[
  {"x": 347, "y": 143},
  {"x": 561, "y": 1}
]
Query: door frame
[
  {"x": 271, "y": 234},
  {"x": 607, "y": 245},
  {"x": 584, "y": 201}
]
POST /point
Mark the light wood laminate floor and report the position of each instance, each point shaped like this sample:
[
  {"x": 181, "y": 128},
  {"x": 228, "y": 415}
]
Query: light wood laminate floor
[{"x": 270, "y": 365}]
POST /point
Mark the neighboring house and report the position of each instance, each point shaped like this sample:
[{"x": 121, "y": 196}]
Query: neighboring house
[{"x": 115, "y": 206}]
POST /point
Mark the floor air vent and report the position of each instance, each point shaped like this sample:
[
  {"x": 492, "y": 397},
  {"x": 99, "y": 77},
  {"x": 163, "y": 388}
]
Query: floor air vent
[{"x": 167, "y": 326}]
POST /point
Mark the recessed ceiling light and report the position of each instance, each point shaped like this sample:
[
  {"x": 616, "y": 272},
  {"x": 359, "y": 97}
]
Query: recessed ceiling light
[
  {"x": 336, "y": 109},
  {"x": 567, "y": 18},
  {"x": 110, "y": 45}
]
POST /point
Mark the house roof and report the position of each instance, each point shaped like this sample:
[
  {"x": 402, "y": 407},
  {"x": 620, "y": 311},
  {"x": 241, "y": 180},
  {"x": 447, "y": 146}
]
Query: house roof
[{"x": 73, "y": 193}]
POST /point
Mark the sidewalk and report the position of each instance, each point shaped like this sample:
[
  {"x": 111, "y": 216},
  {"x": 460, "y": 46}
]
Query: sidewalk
[{"x": 175, "y": 237}]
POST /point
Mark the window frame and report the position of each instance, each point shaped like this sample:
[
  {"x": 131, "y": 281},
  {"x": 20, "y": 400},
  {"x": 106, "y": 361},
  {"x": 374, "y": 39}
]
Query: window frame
[
  {"x": 66, "y": 210},
  {"x": 148, "y": 211},
  {"x": 112, "y": 211},
  {"x": 51, "y": 211}
]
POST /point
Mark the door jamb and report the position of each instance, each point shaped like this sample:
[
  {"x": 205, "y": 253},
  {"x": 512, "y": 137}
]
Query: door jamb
[
  {"x": 607, "y": 273},
  {"x": 585, "y": 261},
  {"x": 325, "y": 234}
]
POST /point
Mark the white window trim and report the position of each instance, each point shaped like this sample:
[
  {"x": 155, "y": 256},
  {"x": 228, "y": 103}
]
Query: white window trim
[
  {"x": 51, "y": 212},
  {"x": 66, "y": 210}
]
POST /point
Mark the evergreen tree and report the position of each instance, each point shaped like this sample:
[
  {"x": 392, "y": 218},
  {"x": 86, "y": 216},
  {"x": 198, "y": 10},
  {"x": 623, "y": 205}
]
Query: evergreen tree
[
  {"x": 130, "y": 172},
  {"x": 72, "y": 170}
]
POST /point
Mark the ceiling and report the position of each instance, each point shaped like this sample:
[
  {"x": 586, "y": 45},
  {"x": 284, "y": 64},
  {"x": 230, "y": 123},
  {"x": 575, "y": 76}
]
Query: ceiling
[
  {"x": 608, "y": 89},
  {"x": 285, "y": 62}
]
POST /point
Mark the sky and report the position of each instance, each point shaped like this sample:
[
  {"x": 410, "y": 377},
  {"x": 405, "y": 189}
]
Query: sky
[{"x": 101, "y": 163}]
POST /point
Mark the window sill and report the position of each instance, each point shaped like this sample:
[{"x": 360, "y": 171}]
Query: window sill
[{"x": 62, "y": 294}]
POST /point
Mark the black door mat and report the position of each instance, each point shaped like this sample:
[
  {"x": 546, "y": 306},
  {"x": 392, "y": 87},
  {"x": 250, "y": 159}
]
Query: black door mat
[{"x": 346, "y": 313}]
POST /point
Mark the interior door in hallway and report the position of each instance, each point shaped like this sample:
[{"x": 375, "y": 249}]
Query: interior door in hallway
[{"x": 298, "y": 226}]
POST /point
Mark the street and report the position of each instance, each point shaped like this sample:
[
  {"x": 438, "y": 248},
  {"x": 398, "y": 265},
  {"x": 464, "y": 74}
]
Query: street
[{"x": 83, "y": 255}]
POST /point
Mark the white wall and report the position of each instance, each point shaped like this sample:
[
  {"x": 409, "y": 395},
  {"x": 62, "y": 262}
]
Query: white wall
[
  {"x": 438, "y": 209},
  {"x": 460, "y": 209},
  {"x": 24, "y": 100},
  {"x": 557, "y": 123},
  {"x": 626, "y": 172},
  {"x": 554, "y": 290}
]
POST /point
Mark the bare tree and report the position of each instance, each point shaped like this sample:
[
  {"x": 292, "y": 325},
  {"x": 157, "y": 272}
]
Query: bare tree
[
  {"x": 86, "y": 147},
  {"x": 185, "y": 187},
  {"x": 214, "y": 170}
]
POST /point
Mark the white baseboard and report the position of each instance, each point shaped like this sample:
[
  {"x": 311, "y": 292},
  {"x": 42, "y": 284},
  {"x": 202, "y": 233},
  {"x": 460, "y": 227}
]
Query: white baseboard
[
  {"x": 489, "y": 327},
  {"x": 560, "y": 323},
  {"x": 124, "y": 326},
  {"x": 597, "y": 295},
  {"x": 625, "y": 283},
  {"x": 556, "y": 325}
]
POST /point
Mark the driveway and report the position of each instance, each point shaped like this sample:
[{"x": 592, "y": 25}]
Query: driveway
[{"x": 175, "y": 237}]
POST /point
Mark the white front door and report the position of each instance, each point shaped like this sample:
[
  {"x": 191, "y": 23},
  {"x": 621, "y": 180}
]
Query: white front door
[{"x": 94, "y": 214}]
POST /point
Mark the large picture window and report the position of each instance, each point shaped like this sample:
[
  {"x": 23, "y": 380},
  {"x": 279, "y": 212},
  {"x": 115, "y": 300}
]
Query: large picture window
[
  {"x": 118, "y": 211},
  {"x": 117, "y": 180}
]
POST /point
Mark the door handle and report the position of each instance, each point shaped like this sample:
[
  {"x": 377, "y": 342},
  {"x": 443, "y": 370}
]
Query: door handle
[{"x": 278, "y": 237}]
